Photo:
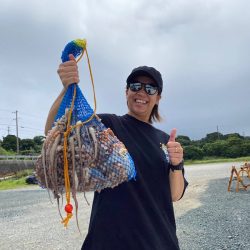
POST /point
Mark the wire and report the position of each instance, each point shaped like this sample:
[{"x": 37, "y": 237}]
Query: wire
[
  {"x": 3, "y": 124},
  {"x": 30, "y": 115},
  {"x": 31, "y": 128},
  {"x": 6, "y": 110},
  {"x": 21, "y": 113}
]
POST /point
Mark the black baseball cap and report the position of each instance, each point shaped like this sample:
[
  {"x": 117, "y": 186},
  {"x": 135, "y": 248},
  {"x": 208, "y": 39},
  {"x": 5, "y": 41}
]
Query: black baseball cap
[{"x": 146, "y": 71}]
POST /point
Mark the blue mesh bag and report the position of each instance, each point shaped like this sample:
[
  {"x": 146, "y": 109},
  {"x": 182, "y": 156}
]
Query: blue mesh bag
[{"x": 80, "y": 153}]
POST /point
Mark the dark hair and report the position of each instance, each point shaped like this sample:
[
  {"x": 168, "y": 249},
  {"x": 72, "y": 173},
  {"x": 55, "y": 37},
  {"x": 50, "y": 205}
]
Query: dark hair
[{"x": 155, "y": 116}]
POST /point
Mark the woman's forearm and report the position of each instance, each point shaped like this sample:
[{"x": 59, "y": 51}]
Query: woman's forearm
[
  {"x": 176, "y": 184},
  {"x": 53, "y": 111},
  {"x": 68, "y": 73}
]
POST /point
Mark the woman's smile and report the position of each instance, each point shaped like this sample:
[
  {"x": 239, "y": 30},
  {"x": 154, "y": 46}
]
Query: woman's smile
[{"x": 141, "y": 101}]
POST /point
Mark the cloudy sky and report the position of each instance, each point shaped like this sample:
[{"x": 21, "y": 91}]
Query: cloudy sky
[{"x": 201, "y": 47}]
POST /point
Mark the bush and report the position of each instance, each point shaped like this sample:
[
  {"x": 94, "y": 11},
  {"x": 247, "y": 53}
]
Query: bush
[
  {"x": 27, "y": 144},
  {"x": 9, "y": 142},
  {"x": 246, "y": 149},
  {"x": 217, "y": 148},
  {"x": 193, "y": 153},
  {"x": 233, "y": 151},
  {"x": 183, "y": 140},
  {"x": 28, "y": 152}
]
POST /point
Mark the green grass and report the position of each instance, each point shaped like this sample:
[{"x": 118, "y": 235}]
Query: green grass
[
  {"x": 24, "y": 173},
  {"x": 12, "y": 183},
  {"x": 217, "y": 160},
  {"x": 18, "y": 181},
  {"x": 5, "y": 152}
]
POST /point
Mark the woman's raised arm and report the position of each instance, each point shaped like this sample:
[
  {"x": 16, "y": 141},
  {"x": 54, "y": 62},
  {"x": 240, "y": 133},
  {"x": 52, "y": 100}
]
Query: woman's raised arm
[{"x": 68, "y": 73}]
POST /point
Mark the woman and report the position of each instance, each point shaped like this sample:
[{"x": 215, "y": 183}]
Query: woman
[{"x": 136, "y": 215}]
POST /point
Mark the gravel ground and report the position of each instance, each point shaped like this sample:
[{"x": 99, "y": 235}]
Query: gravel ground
[{"x": 207, "y": 217}]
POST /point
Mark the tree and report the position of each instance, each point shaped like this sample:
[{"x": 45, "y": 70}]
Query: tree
[
  {"x": 212, "y": 137},
  {"x": 183, "y": 140},
  {"x": 232, "y": 140},
  {"x": 9, "y": 142},
  {"x": 38, "y": 140},
  {"x": 27, "y": 144},
  {"x": 246, "y": 148},
  {"x": 235, "y": 135},
  {"x": 193, "y": 153},
  {"x": 217, "y": 148},
  {"x": 234, "y": 151}
]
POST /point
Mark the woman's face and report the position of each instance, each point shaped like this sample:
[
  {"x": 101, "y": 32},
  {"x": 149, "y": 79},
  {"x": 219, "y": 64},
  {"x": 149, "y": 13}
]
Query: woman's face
[{"x": 140, "y": 104}]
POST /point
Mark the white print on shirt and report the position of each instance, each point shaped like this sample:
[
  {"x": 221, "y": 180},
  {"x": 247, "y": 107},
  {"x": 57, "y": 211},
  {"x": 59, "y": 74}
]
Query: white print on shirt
[{"x": 164, "y": 148}]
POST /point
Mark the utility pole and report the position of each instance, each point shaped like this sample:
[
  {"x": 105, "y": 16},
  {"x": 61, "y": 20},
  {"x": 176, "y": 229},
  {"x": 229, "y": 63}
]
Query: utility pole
[
  {"x": 218, "y": 132},
  {"x": 17, "y": 141},
  {"x": 8, "y": 130}
]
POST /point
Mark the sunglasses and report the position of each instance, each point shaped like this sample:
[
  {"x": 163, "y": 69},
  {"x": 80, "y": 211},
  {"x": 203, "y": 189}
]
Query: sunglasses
[{"x": 149, "y": 88}]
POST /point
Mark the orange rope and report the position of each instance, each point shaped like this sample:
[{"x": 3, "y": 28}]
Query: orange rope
[
  {"x": 68, "y": 206},
  {"x": 66, "y": 164},
  {"x": 93, "y": 88}
]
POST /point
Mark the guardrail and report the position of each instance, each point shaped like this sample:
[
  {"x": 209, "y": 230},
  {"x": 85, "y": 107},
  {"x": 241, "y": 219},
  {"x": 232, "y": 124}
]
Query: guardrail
[
  {"x": 13, "y": 163},
  {"x": 18, "y": 157}
]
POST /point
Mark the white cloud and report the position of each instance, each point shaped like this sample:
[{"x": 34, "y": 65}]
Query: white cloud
[{"x": 200, "y": 47}]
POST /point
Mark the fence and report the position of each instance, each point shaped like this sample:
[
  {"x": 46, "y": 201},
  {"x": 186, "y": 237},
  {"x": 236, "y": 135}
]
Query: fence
[
  {"x": 18, "y": 157},
  {"x": 14, "y": 163}
]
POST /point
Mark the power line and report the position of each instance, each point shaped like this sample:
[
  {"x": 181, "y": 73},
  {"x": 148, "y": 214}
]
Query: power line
[
  {"x": 30, "y": 115},
  {"x": 6, "y": 110},
  {"x": 5, "y": 124},
  {"x": 31, "y": 128},
  {"x": 31, "y": 133},
  {"x": 3, "y": 129},
  {"x": 34, "y": 116}
]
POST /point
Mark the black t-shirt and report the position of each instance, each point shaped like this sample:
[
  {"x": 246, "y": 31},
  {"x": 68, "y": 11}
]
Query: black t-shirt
[{"x": 138, "y": 214}]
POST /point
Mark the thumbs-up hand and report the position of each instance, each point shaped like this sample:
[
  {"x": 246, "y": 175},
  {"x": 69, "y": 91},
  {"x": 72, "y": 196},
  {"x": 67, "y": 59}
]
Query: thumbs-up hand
[{"x": 175, "y": 149}]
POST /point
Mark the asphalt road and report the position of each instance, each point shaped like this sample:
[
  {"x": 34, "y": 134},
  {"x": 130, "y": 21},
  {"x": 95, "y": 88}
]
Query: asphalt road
[{"x": 207, "y": 217}]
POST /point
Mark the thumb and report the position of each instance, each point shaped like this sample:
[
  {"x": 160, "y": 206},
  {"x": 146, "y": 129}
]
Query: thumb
[
  {"x": 71, "y": 57},
  {"x": 172, "y": 135}
]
